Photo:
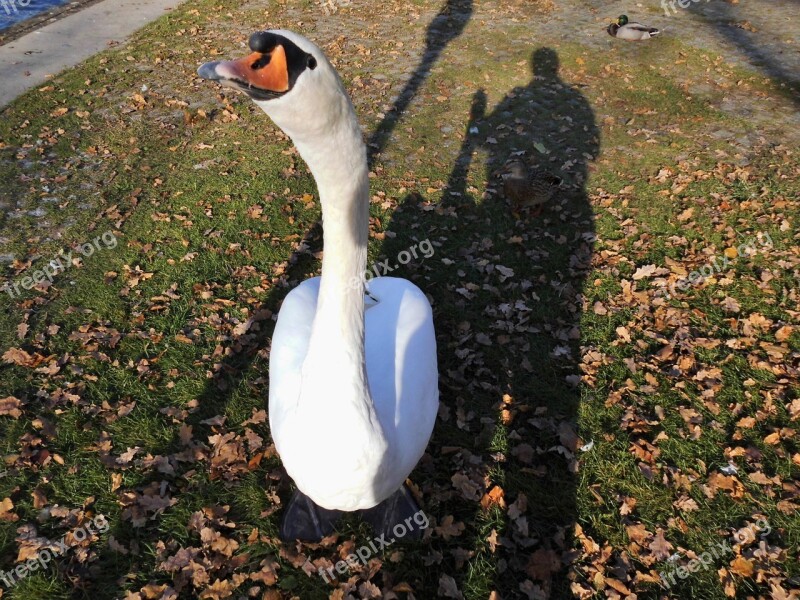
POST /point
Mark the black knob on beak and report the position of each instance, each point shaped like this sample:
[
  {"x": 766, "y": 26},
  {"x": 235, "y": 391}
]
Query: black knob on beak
[{"x": 263, "y": 41}]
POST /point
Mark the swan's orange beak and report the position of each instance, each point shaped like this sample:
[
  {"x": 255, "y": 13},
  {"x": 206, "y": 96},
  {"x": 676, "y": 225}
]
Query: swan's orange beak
[{"x": 261, "y": 75}]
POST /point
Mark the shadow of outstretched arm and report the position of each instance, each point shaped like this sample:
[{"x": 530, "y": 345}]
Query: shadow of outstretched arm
[
  {"x": 457, "y": 182},
  {"x": 448, "y": 24}
]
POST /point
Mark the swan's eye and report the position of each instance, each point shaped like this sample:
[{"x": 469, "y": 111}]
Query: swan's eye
[
  {"x": 312, "y": 63},
  {"x": 263, "y": 61}
]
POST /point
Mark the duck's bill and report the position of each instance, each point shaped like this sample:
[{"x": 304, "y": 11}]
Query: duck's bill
[{"x": 262, "y": 76}]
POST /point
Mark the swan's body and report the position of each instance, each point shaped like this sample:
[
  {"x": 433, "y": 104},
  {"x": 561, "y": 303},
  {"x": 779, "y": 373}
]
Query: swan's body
[
  {"x": 353, "y": 397},
  {"x": 373, "y": 445}
]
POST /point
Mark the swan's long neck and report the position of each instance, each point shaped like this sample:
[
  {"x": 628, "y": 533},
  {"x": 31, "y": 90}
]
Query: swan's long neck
[{"x": 335, "y": 359}]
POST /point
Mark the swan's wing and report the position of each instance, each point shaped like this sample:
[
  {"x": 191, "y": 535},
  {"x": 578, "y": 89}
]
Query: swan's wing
[
  {"x": 289, "y": 349},
  {"x": 402, "y": 369}
]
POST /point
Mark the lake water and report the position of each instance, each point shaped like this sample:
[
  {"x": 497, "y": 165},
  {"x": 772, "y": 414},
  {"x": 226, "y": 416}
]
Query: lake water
[{"x": 14, "y": 11}]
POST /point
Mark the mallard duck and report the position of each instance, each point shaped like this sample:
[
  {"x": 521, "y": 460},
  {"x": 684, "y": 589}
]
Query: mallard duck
[
  {"x": 528, "y": 188},
  {"x": 633, "y": 31}
]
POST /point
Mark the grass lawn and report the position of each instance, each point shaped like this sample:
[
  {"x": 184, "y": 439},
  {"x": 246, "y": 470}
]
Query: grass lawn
[{"x": 608, "y": 419}]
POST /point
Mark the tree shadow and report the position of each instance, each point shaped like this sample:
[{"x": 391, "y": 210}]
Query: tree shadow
[
  {"x": 508, "y": 340},
  {"x": 725, "y": 19}
]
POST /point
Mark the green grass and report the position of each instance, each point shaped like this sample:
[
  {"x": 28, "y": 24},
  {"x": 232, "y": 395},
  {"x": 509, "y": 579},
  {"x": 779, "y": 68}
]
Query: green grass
[{"x": 140, "y": 340}]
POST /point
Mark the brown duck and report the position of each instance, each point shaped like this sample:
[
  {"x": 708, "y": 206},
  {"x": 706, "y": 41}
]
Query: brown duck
[{"x": 528, "y": 188}]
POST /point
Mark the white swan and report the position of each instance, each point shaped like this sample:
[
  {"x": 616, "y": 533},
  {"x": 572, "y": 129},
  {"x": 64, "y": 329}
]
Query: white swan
[{"x": 353, "y": 394}]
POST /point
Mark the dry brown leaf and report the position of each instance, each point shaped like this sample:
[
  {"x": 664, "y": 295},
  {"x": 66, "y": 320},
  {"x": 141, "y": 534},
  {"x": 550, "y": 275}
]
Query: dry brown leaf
[
  {"x": 660, "y": 547},
  {"x": 6, "y": 506},
  {"x": 448, "y": 528},
  {"x": 728, "y": 483},
  {"x": 728, "y": 585},
  {"x": 9, "y": 406},
  {"x": 742, "y": 567},
  {"x": 39, "y": 499},
  {"x": 468, "y": 488},
  {"x": 617, "y": 585},
  {"x": 448, "y": 588},
  {"x": 17, "y": 356},
  {"x": 542, "y": 564},
  {"x": 644, "y": 271},
  {"x": 495, "y": 496}
]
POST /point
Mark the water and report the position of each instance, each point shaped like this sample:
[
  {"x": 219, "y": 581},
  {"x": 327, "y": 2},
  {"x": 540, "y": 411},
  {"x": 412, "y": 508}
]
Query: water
[{"x": 15, "y": 11}]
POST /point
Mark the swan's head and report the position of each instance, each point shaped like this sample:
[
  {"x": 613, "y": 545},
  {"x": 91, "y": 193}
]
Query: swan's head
[{"x": 288, "y": 77}]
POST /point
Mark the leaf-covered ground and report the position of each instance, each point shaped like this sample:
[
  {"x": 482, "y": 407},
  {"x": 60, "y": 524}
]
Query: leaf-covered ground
[{"x": 607, "y": 418}]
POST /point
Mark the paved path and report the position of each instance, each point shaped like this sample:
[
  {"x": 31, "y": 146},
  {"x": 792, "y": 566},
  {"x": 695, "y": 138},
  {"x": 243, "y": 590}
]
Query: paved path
[{"x": 32, "y": 59}]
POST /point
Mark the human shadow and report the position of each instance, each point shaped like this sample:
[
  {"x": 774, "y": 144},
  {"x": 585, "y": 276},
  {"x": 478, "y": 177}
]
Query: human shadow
[
  {"x": 507, "y": 300},
  {"x": 448, "y": 24},
  {"x": 724, "y": 17}
]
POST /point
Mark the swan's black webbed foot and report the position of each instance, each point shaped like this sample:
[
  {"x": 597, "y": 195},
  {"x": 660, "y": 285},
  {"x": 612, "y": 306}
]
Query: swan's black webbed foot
[
  {"x": 306, "y": 521},
  {"x": 399, "y": 516}
]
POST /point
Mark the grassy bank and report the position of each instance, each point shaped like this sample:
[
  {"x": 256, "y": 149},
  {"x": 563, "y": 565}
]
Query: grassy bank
[{"x": 600, "y": 424}]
